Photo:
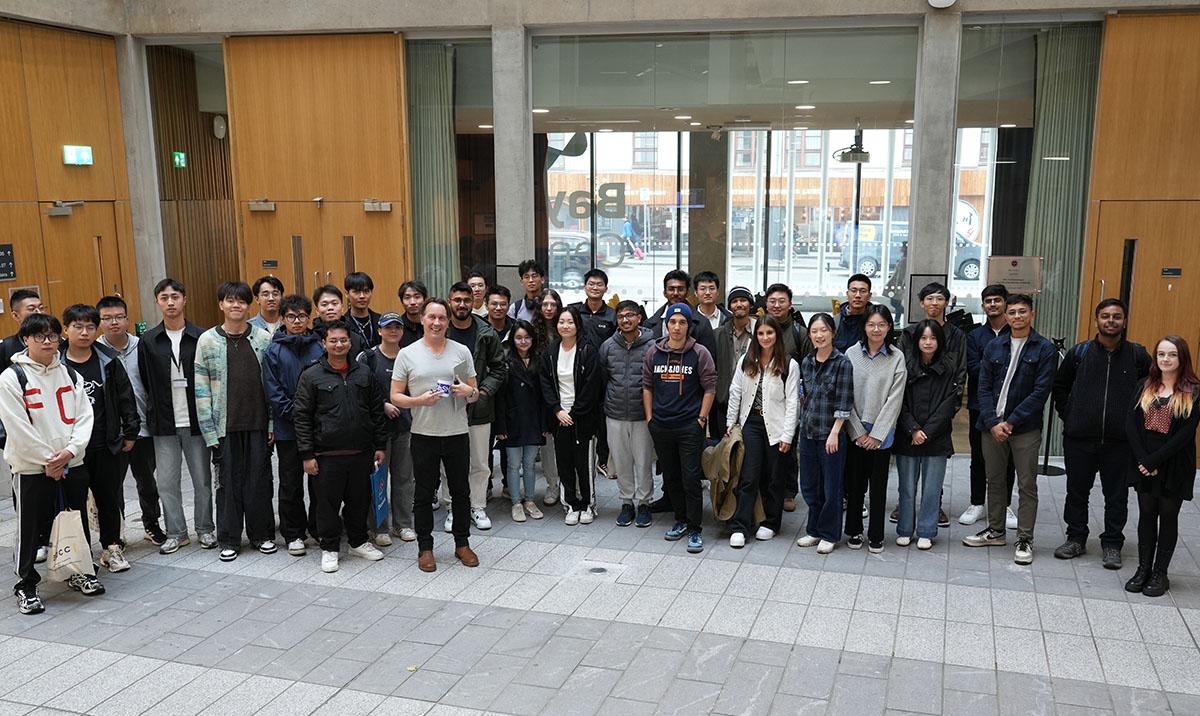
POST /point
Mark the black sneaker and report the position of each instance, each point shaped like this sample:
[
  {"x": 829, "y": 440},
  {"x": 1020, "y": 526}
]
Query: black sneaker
[
  {"x": 643, "y": 518},
  {"x": 28, "y": 601},
  {"x": 1069, "y": 550},
  {"x": 155, "y": 535},
  {"x": 662, "y": 504},
  {"x": 894, "y": 518},
  {"x": 1112, "y": 558},
  {"x": 1157, "y": 585},
  {"x": 854, "y": 541},
  {"x": 943, "y": 518},
  {"x": 626, "y": 517},
  {"x": 85, "y": 584}
]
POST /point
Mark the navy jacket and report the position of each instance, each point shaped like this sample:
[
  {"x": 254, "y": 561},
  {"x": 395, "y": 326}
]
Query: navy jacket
[
  {"x": 1030, "y": 388},
  {"x": 977, "y": 340},
  {"x": 285, "y": 359}
]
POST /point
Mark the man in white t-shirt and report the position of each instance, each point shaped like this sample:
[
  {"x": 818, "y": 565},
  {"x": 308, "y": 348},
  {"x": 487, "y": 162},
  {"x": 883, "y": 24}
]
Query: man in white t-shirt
[
  {"x": 435, "y": 379},
  {"x": 166, "y": 362}
]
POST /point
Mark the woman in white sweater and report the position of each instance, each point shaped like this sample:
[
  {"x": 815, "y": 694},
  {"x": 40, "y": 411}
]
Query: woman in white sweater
[
  {"x": 879, "y": 377},
  {"x": 763, "y": 399}
]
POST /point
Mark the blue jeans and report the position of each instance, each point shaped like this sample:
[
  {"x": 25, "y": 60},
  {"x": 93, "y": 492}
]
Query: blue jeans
[
  {"x": 520, "y": 465},
  {"x": 821, "y": 477},
  {"x": 931, "y": 472}
]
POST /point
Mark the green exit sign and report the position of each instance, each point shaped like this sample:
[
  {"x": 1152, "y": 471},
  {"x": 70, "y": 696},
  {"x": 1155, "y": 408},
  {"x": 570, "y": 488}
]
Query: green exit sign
[
  {"x": 77, "y": 155},
  {"x": 179, "y": 160}
]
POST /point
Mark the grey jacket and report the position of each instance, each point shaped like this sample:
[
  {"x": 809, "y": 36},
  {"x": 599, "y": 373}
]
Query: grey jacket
[{"x": 621, "y": 368}]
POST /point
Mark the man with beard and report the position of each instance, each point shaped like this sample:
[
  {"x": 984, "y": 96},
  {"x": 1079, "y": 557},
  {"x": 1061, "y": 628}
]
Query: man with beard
[
  {"x": 1106, "y": 370},
  {"x": 733, "y": 340}
]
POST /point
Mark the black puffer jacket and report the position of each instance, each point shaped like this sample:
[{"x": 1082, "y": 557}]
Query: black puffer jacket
[
  {"x": 333, "y": 411},
  {"x": 521, "y": 412},
  {"x": 1106, "y": 382},
  {"x": 932, "y": 395}
]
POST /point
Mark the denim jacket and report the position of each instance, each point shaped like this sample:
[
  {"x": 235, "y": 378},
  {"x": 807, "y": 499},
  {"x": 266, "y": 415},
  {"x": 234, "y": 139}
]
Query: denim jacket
[{"x": 1030, "y": 387}]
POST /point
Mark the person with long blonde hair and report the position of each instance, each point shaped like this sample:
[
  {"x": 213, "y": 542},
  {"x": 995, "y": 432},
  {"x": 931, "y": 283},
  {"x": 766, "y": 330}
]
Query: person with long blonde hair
[{"x": 1162, "y": 435}]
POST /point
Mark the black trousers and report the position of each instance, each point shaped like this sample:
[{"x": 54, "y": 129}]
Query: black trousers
[
  {"x": 572, "y": 444},
  {"x": 789, "y": 468},
  {"x": 978, "y": 471},
  {"x": 294, "y": 520},
  {"x": 866, "y": 472},
  {"x": 430, "y": 456},
  {"x": 36, "y": 496},
  {"x": 678, "y": 449},
  {"x": 106, "y": 478},
  {"x": 1158, "y": 530},
  {"x": 243, "y": 481},
  {"x": 759, "y": 478},
  {"x": 1084, "y": 459},
  {"x": 343, "y": 498},
  {"x": 601, "y": 441},
  {"x": 141, "y": 463}
]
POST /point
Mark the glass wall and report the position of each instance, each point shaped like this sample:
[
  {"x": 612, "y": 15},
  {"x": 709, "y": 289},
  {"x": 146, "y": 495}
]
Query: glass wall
[{"x": 764, "y": 157}]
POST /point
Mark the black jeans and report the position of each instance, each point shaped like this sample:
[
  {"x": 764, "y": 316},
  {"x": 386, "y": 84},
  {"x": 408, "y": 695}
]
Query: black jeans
[
  {"x": 978, "y": 471},
  {"x": 294, "y": 520},
  {"x": 1084, "y": 459},
  {"x": 430, "y": 455},
  {"x": 37, "y": 496},
  {"x": 141, "y": 463},
  {"x": 346, "y": 489},
  {"x": 106, "y": 477},
  {"x": 789, "y": 468},
  {"x": 678, "y": 449},
  {"x": 243, "y": 478},
  {"x": 866, "y": 471},
  {"x": 572, "y": 444},
  {"x": 758, "y": 478},
  {"x": 1158, "y": 530},
  {"x": 601, "y": 442}
]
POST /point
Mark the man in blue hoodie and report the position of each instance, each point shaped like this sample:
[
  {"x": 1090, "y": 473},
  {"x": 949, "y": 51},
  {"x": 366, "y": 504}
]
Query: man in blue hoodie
[
  {"x": 291, "y": 351},
  {"x": 679, "y": 383}
]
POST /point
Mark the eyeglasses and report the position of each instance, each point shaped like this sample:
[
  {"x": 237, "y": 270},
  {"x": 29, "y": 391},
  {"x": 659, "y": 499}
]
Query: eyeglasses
[
  {"x": 337, "y": 341},
  {"x": 269, "y": 294},
  {"x": 531, "y": 276},
  {"x": 83, "y": 327},
  {"x": 113, "y": 319},
  {"x": 628, "y": 317},
  {"x": 45, "y": 338},
  {"x": 522, "y": 339},
  {"x": 295, "y": 318}
]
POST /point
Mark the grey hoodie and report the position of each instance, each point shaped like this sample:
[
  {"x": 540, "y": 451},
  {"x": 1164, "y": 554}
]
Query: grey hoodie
[{"x": 621, "y": 366}]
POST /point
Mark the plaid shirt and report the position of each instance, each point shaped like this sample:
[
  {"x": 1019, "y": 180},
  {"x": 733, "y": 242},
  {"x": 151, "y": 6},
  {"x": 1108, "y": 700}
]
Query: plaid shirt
[{"x": 826, "y": 394}]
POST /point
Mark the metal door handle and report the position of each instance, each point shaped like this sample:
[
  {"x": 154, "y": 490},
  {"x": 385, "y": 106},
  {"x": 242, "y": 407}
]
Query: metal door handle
[
  {"x": 316, "y": 279},
  {"x": 1101, "y": 289},
  {"x": 328, "y": 277}
]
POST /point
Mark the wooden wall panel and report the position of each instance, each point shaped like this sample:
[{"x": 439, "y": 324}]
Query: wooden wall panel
[
  {"x": 16, "y": 151},
  {"x": 201, "y": 251},
  {"x": 82, "y": 255},
  {"x": 316, "y": 115},
  {"x": 70, "y": 85},
  {"x": 20, "y": 225}
]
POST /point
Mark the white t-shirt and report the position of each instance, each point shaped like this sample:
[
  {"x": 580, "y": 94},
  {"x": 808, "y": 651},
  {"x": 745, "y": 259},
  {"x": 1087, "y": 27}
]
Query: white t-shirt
[
  {"x": 1014, "y": 359},
  {"x": 566, "y": 377},
  {"x": 179, "y": 384},
  {"x": 421, "y": 369}
]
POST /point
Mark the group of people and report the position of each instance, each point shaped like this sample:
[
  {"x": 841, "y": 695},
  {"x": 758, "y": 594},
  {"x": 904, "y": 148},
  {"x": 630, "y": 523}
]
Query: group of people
[{"x": 426, "y": 396}]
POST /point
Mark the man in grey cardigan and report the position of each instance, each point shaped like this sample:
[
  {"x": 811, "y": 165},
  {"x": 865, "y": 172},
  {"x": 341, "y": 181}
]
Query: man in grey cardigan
[{"x": 631, "y": 451}]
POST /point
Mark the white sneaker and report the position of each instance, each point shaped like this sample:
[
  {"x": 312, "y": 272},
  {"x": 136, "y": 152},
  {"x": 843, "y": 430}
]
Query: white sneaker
[
  {"x": 449, "y": 524},
  {"x": 572, "y": 518},
  {"x": 807, "y": 541},
  {"x": 737, "y": 540},
  {"x": 764, "y": 533},
  {"x": 480, "y": 518},
  {"x": 825, "y": 547},
  {"x": 408, "y": 534},
  {"x": 367, "y": 551},
  {"x": 114, "y": 559},
  {"x": 1010, "y": 519},
  {"x": 518, "y": 513},
  {"x": 296, "y": 548},
  {"x": 43, "y": 554},
  {"x": 587, "y": 516},
  {"x": 903, "y": 541},
  {"x": 383, "y": 539},
  {"x": 329, "y": 561},
  {"x": 971, "y": 515},
  {"x": 924, "y": 543},
  {"x": 1023, "y": 553}
]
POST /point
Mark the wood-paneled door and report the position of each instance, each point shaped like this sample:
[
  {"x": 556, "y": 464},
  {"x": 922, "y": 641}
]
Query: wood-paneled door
[
  {"x": 82, "y": 254},
  {"x": 20, "y": 226},
  {"x": 284, "y": 243},
  {"x": 357, "y": 240}
]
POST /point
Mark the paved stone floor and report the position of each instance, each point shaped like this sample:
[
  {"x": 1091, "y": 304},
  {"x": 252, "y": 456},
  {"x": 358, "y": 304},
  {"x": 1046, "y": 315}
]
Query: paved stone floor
[{"x": 536, "y": 629}]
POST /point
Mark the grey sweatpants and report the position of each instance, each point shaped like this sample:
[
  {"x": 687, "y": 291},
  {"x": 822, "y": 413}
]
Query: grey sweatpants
[{"x": 631, "y": 456}]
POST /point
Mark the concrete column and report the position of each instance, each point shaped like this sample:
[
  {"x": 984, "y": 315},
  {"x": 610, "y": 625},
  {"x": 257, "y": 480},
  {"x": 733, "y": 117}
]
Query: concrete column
[
  {"x": 512, "y": 118},
  {"x": 143, "y": 173},
  {"x": 934, "y": 139}
]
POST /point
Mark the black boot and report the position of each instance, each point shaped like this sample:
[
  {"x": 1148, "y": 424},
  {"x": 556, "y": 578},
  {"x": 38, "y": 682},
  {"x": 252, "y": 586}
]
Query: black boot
[
  {"x": 1145, "y": 563},
  {"x": 1157, "y": 585}
]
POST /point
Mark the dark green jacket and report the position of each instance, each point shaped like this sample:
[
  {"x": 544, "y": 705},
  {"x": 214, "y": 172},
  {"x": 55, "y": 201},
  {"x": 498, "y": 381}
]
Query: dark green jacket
[{"x": 491, "y": 370}]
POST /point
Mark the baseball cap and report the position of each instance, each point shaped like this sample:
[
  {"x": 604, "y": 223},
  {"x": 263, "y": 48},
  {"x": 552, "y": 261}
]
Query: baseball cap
[{"x": 389, "y": 318}]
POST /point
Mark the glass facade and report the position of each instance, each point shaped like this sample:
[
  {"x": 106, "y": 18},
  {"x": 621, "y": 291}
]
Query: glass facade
[{"x": 724, "y": 152}]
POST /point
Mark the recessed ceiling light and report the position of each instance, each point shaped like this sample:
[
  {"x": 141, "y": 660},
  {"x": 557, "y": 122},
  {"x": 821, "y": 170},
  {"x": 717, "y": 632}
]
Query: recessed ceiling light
[
  {"x": 1007, "y": 126},
  {"x": 1056, "y": 159},
  {"x": 606, "y": 129},
  {"x": 1006, "y": 161},
  {"x": 683, "y": 116},
  {"x": 909, "y": 121},
  {"x": 658, "y": 44},
  {"x": 485, "y": 126},
  {"x": 799, "y": 129},
  {"x": 806, "y": 106},
  {"x": 880, "y": 82},
  {"x": 742, "y": 120},
  {"x": 797, "y": 82},
  {"x": 694, "y": 124},
  {"x": 541, "y": 111}
]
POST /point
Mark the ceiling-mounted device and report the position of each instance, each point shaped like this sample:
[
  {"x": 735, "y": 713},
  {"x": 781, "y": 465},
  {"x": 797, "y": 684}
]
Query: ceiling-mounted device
[{"x": 855, "y": 153}]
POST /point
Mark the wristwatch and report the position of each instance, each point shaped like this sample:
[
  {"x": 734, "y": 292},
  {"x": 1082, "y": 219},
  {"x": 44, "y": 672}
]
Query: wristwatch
[{"x": 703, "y": 420}]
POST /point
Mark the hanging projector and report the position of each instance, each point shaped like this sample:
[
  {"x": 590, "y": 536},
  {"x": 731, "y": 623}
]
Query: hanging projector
[{"x": 853, "y": 154}]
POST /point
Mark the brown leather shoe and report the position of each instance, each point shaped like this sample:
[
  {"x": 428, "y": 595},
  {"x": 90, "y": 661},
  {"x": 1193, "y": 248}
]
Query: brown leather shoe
[
  {"x": 425, "y": 561},
  {"x": 789, "y": 504},
  {"x": 466, "y": 556}
]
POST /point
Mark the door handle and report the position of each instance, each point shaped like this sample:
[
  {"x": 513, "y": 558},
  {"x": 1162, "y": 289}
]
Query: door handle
[
  {"x": 328, "y": 277},
  {"x": 1101, "y": 289},
  {"x": 316, "y": 279}
]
